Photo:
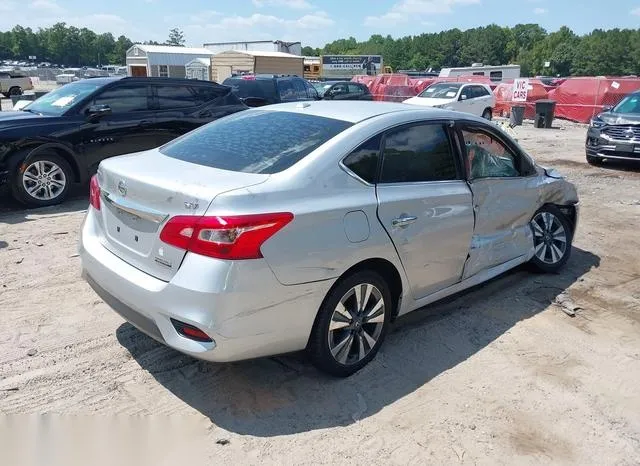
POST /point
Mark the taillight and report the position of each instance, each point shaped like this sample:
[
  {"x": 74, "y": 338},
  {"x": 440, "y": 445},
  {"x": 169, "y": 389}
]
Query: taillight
[
  {"x": 224, "y": 237},
  {"x": 94, "y": 192}
]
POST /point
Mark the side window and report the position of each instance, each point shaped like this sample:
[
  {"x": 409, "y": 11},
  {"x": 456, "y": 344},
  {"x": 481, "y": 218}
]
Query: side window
[
  {"x": 467, "y": 91},
  {"x": 125, "y": 98},
  {"x": 312, "y": 92},
  {"x": 206, "y": 94},
  {"x": 364, "y": 160},
  {"x": 496, "y": 76},
  {"x": 418, "y": 153},
  {"x": 487, "y": 157},
  {"x": 173, "y": 96},
  {"x": 355, "y": 89},
  {"x": 301, "y": 89},
  {"x": 286, "y": 90},
  {"x": 163, "y": 71}
]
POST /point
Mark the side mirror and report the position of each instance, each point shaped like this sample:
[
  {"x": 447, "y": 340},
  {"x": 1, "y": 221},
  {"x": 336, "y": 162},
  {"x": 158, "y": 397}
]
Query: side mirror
[
  {"x": 463, "y": 97},
  {"x": 95, "y": 112},
  {"x": 607, "y": 108}
]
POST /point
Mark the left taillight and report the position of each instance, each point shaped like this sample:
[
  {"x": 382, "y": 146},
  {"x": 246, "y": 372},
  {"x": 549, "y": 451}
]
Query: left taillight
[
  {"x": 94, "y": 192},
  {"x": 224, "y": 237}
]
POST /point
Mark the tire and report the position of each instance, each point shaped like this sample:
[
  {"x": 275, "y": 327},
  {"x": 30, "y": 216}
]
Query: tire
[
  {"x": 354, "y": 341},
  {"x": 53, "y": 188},
  {"x": 15, "y": 91},
  {"x": 487, "y": 114},
  {"x": 552, "y": 238}
]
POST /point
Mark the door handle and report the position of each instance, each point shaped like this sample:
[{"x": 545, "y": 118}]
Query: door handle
[
  {"x": 145, "y": 123},
  {"x": 403, "y": 221}
]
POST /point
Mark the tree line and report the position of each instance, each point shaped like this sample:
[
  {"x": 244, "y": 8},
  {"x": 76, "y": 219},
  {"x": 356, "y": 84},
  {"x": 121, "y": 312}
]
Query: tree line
[
  {"x": 69, "y": 45},
  {"x": 538, "y": 52}
]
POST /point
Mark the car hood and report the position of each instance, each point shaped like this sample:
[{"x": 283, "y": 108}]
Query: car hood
[
  {"x": 428, "y": 102},
  {"x": 11, "y": 119},
  {"x": 611, "y": 118}
]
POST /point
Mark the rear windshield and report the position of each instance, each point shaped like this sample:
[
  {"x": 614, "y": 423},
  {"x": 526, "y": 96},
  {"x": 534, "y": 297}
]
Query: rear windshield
[
  {"x": 261, "y": 88},
  {"x": 255, "y": 141}
]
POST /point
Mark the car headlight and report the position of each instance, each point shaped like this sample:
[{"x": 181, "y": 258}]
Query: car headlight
[{"x": 596, "y": 122}]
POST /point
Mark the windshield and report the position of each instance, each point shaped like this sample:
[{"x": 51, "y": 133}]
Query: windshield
[
  {"x": 630, "y": 104},
  {"x": 255, "y": 141},
  {"x": 59, "y": 101},
  {"x": 260, "y": 88},
  {"x": 441, "y": 91},
  {"x": 322, "y": 87}
]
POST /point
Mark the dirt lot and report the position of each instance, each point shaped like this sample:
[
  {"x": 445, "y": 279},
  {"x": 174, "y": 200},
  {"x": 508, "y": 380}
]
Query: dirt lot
[{"x": 500, "y": 375}]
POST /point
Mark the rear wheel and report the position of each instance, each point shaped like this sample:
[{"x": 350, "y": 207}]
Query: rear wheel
[
  {"x": 552, "y": 238},
  {"x": 351, "y": 324},
  {"x": 44, "y": 181},
  {"x": 487, "y": 114}
]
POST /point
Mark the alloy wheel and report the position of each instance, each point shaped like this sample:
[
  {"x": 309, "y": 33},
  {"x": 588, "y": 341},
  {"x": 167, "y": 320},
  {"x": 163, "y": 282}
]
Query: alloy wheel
[
  {"x": 549, "y": 237},
  {"x": 356, "y": 324},
  {"x": 44, "y": 180}
]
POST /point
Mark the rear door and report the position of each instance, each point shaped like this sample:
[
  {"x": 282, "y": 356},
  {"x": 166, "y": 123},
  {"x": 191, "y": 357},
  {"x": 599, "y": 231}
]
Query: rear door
[
  {"x": 129, "y": 127},
  {"x": 482, "y": 99},
  {"x": 505, "y": 191},
  {"x": 425, "y": 205}
]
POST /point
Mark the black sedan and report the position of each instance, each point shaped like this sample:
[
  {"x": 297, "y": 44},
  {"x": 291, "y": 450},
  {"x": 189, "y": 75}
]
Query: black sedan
[
  {"x": 346, "y": 90},
  {"x": 60, "y": 138}
]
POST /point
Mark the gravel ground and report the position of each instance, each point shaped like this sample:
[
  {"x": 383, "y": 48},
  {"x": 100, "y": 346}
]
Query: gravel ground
[{"x": 498, "y": 375}]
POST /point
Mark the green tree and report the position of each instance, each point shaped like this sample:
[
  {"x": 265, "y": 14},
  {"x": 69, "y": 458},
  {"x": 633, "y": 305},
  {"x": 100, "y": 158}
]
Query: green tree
[{"x": 176, "y": 38}]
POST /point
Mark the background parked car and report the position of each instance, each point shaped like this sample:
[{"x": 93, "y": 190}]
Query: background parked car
[
  {"x": 259, "y": 90},
  {"x": 61, "y": 137},
  {"x": 615, "y": 133},
  {"x": 314, "y": 226},
  {"x": 13, "y": 82},
  {"x": 473, "y": 98},
  {"x": 347, "y": 90}
]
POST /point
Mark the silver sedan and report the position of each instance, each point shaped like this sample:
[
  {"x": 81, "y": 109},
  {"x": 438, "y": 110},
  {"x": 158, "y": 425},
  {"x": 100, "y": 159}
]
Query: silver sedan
[{"x": 314, "y": 225}]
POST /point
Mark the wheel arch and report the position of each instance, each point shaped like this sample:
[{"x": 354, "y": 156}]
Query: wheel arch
[{"x": 34, "y": 148}]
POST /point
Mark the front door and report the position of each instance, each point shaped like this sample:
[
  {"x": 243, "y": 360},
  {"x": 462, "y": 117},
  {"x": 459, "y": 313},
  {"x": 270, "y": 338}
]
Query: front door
[
  {"x": 129, "y": 127},
  {"x": 504, "y": 183},
  {"x": 425, "y": 205}
]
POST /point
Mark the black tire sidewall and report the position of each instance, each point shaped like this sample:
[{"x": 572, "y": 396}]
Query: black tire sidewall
[
  {"x": 552, "y": 268},
  {"x": 318, "y": 348},
  {"x": 23, "y": 197},
  {"x": 16, "y": 90}
]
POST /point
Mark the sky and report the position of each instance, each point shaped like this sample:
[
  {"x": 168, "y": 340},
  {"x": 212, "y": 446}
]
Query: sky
[{"x": 312, "y": 22}]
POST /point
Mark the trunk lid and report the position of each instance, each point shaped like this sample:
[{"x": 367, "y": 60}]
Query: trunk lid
[{"x": 140, "y": 192}]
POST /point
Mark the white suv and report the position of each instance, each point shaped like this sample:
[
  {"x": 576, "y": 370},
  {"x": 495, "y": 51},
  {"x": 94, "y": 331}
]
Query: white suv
[
  {"x": 473, "y": 98},
  {"x": 14, "y": 82}
]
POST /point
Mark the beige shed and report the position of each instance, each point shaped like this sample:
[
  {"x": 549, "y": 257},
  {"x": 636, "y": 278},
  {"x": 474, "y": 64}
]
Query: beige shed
[{"x": 226, "y": 64}]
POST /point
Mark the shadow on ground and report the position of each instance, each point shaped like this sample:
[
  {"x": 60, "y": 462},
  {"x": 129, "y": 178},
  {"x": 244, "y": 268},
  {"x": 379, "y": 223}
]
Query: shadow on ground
[
  {"x": 12, "y": 212},
  {"x": 286, "y": 395}
]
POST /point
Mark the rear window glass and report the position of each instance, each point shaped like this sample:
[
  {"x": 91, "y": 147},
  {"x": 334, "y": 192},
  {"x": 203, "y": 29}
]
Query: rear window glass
[
  {"x": 255, "y": 141},
  {"x": 261, "y": 88}
]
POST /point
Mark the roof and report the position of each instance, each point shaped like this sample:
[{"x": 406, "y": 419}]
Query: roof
[
  {"x": 173, "y": 49},
  {"x": 355, "y": 111},
  {"x": 204, "y": 61},
  {"x": 260, "y": 53},
  {"x": 253, "y": 42}
]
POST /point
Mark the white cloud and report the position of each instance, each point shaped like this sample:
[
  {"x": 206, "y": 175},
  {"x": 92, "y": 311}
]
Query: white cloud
[
  {"x": 406, "y": 10},
  {"x": 294, "y": 4},
  {"x": 46, "y": 6},
  {"x": 6, "y": 7},
  {"x": 539, "y": 11},
  {"x": 636, "y": 11}
]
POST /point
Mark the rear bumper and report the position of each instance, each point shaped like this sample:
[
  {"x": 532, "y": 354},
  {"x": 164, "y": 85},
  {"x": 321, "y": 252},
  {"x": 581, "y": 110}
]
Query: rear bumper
[{"x": 240, "y": 305}]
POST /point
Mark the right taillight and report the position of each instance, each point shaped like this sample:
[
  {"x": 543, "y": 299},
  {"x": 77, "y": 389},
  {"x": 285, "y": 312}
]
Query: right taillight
[
  {"x": 94, "y": 192},
  {"x": 224, "y": 237}
]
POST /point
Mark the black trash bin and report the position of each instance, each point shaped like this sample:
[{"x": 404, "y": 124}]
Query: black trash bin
[
  {"x": 517, "y": 115},
  {"x": 545, "y": 111}
]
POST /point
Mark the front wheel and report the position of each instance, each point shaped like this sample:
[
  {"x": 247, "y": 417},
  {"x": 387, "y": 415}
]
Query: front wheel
[
  {"x": 552, "y": 238},
  {"x": 351, "y": 324},
  {"x": 15, "y": 91},
  {"x": 44, "y": 181}
]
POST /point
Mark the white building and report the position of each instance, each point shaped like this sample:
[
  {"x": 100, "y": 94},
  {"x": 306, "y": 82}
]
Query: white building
[
  {"x": 162, "y": 60},
  {"x": 293, "y": 48}
]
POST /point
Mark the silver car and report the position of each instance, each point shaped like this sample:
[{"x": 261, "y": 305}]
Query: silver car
[{"x": 314, "y": 225}]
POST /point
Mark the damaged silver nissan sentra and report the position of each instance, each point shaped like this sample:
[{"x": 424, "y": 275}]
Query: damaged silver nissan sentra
[{"x": 313, "y": 225}]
